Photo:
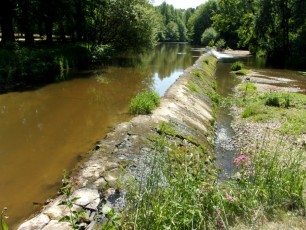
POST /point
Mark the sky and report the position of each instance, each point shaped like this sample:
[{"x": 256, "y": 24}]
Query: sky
[{"x": 183, "y": 4}]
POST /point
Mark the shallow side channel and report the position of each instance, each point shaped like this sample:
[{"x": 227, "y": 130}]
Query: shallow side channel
[{"x": 224, "y": 148}]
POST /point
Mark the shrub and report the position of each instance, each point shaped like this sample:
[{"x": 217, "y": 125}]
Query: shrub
[
  {"x": 144, "y": 103},
  {"x": 237, "y": 66},
  {"x": 101, "y": 52},
  {"x": 272, "y": 101},
  {"x": 220, "y": 44}
]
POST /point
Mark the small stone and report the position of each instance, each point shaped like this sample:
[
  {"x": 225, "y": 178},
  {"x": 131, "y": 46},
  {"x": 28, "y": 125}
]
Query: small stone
[{"x": 100, "y": 183}]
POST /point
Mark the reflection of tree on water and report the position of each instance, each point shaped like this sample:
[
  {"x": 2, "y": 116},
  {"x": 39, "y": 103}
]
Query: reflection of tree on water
[{"x": 164, "y": 59}]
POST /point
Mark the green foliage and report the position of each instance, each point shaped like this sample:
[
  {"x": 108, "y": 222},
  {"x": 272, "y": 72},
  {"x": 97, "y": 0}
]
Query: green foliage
[
  {"x": 252, "y": 110},
  {"x": 194, "y": 87},
  {"x": 173, "y": 23},
  {"x": 40, "y": 65},
  {"x": 242, "y": 72},
  {"x": 214, "y": 96},
  {"x": 101, "y": 52},
  {"x": 286, "y": 108},
  {"x": 220, "y": 44},
  {"x": 274, "y": 28},
  {"x": 270, "y": 181},
  {"x": 3, "y": 224},
  {"x": 247, "y": 87},
  {"x": 75, "y": 215},
  {"x": 200, "y": 20},
  {"x": 144, "y": 103},
  {"x": 237, "y": 66},
  {"x": 272, "y": 101},
  {"x": 113, "y": 219},
  {"x": 209, "y": 37}
]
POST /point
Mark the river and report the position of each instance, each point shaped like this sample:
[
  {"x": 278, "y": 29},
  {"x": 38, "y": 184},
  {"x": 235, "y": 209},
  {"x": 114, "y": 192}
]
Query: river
[{"x": 46, "y": 131}]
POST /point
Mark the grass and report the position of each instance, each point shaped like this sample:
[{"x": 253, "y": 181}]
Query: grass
[
  {"x": 247, "y": 87},
  {"x": 144, "y": 102},
  {"x": 194, "y": 87},
  {"x": 237, "y": 66},
  {"x": 285, "y": 108},
  {"x": 242, "y": 72},
  {"x": 182, "y": 189}
]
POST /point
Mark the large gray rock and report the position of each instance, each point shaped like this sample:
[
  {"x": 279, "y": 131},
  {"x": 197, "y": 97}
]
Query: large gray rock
[
  {"x": 55, "y": 225},
  {"x": 88, "y": 198},
  {"x": 37, "y": 223}
]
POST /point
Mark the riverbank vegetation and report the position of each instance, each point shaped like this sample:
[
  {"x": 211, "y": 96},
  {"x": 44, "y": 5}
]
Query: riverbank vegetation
[
  {"x": 183, "y": 189},
  {"x": 144, "y": 102},
  {"x": 266, "y": 191}
]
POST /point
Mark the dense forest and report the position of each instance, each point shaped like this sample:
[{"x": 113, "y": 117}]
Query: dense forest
[{"x": 77, "y": 33}]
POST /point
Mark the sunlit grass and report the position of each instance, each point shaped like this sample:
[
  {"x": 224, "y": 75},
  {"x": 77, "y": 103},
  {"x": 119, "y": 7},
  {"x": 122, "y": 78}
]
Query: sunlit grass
[{"x": 144, "y": 103}]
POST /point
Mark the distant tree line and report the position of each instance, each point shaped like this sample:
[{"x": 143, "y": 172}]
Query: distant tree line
[
  {"x": 272, "y": 28},
  {"x": 120, "y": 23},
  {"x": 275, "y": 29}
]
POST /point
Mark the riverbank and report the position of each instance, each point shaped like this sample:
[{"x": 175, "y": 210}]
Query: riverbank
[
  {"x": 269, "y": 123},
  {"x": 124, "y": 154}
]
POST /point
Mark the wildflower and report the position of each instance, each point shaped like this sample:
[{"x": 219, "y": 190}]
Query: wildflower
[
  {"x": 228, "y": 196},
  {"x": 240, "y": 160}
]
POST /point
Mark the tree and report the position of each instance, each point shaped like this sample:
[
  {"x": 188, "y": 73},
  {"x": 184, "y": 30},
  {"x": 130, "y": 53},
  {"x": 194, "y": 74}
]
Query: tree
[
  {"x": 173, "y": 26},
  {"x": 209, "y": 36},
  {"x": 124, "y": 24},
  {"x": 200, "y": 21}
]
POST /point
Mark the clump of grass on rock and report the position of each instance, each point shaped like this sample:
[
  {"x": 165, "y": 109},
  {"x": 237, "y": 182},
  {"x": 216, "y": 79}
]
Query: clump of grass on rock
[
  {"x": 237, "y": 66},
  {"x": 144, "y": 102}
]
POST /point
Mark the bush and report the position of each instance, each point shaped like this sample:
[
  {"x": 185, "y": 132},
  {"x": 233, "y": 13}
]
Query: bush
[
  {"x": 209, "y": 36},
  {"x": 272, "y": 101},
  {"x": 220, "y": 44},
  {"x": 237, "y": 66},
  {"x": 144, "y": 103},
  {"x": 101, "y": 52}
]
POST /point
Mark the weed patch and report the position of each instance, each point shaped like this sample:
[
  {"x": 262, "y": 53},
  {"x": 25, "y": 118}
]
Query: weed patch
[
  {"x": 237, "y": 66},
  {"x": 144, "y": 103},
  {"x": 285, "y": 108},
  {"x": 242, "y": 72}
]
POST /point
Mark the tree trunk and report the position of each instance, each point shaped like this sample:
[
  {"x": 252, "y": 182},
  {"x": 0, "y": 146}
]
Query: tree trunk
[
  {"x": 28, "y": 23},
  {"x": 6, "y": 22},
  {"x": 49, "y": 28}
]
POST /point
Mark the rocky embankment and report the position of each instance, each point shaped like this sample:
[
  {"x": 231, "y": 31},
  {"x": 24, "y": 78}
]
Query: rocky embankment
[{"x": 124, "y": 153}]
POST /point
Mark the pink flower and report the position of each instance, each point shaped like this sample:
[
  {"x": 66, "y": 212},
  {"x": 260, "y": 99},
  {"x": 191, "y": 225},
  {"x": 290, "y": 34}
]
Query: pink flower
[
  {"x": 240, "y": 160},
  {"x": 228, "y": 196}
]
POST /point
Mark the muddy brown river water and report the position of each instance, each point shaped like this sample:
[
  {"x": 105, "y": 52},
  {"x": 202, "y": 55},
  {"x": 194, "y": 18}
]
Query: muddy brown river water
[{"x": 44, "y": 131}]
